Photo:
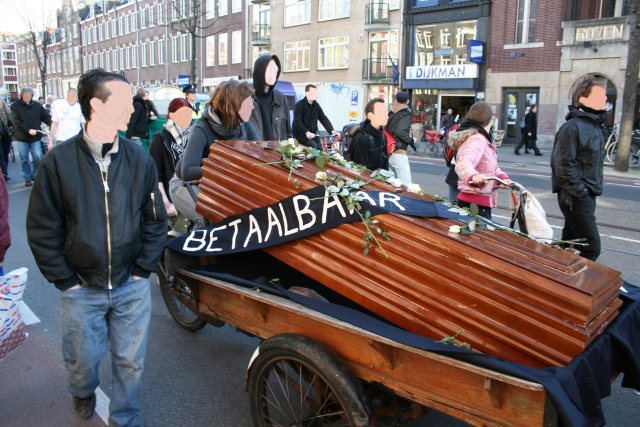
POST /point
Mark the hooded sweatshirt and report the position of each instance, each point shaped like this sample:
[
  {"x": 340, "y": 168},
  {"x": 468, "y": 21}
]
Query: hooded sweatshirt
[
  {"x": 265, "y": 98},
  {"x": 138, "y": 123}
]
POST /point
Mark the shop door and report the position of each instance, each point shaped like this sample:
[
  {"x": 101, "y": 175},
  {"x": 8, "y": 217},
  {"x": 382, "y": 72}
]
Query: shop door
[
  {"x": 516, "y": 103},
  {"x": 378, "y": 62}
]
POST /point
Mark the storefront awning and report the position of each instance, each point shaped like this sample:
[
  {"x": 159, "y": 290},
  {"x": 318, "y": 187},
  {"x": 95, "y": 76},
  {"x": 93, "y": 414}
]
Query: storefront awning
[{"x": 441, "y": 84}]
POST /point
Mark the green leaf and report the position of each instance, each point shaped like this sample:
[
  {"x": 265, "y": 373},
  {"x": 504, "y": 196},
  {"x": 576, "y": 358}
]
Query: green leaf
[
  {"x": 386, "y": 236},
  {"x": 314, "y": 152},
  {"x": 482, "y": 226},
  {"x": 358, "y": 206},
  {"x": 325, "y": 156},
  {"x": 467, "y": 231},
  {"x": 320, "y": 162},
  {"x": 342, "y": 162},
  {"x": 474, "y": 209},
  {"x": 367, "y": 214},
  {"x": 340, "y": 184},
  {"x": 366, "y": 249},
  {"x": 350, "y": 206}
]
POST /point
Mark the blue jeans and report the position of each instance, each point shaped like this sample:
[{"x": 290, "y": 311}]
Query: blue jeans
[
  {"x": 36, "y": 154},
  {"x": 400, "y": 165},
  {"x": 93, "y": 318}
]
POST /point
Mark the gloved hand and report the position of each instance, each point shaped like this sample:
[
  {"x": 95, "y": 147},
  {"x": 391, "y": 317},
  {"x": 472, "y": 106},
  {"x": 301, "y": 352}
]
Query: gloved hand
[{"x": 565, "y": 199}]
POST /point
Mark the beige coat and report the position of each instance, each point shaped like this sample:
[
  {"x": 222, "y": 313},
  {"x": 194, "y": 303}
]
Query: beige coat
[{"x": 4, "y": 112}]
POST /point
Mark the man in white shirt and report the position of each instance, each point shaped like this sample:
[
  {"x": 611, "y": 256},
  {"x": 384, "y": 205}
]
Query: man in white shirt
[{"x": 66, "y": 118}]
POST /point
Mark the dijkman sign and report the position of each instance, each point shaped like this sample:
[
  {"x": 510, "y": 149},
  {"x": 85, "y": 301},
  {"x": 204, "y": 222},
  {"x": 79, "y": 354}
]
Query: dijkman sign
[{"x": 463, "y": 71}]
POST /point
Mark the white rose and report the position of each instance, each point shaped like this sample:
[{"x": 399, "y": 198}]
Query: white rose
[
  {"x": 292, "y": 141},
  {"x": 455, "y": 229},
  {"x": 321, "y": 175},
  {"x": 395, "y": 182},
  {"x": 414, "y": 188}
]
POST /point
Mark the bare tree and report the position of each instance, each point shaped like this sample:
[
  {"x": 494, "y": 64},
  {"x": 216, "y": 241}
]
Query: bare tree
[
  {"x": 190, "y": 16},
  {"x": 40, "y": 23},
  {"x": 630, "y": 89}
]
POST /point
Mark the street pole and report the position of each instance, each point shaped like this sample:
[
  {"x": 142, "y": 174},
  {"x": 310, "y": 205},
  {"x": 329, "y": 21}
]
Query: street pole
[{"x": 630, "y": 90}]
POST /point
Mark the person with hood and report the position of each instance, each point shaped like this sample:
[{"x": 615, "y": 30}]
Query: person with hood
[
  {"x": 477, "y": 160},
  {"x": 369, "y": 145},
  {"x": 27, "y": 116},
  {"x": 167, "y": 146},
  {"x": 138, "y": 126},
  {"x": 5, "y": 138},
  {"x": 577, "y": 162},
  {"x": 270, "y": 117},
  {"x": 529, "y": 133},
  {"x": 225, "y": 117},
  {"x": 399, "y": 127},
  {"x": 305, "y": 119}
]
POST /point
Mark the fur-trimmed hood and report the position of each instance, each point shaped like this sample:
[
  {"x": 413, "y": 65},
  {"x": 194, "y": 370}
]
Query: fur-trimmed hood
[{"x": 457, "y": 137}]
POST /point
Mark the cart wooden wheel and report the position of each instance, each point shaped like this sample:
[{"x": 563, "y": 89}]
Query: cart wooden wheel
[
  {"x": 287, "y": 388},
  {"x": 184, "y": 317}
]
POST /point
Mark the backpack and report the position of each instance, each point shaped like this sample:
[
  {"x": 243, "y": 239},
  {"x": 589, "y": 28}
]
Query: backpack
[
  {"x": 447, "y": 152},
  {"x": 391, "y": 142},
  {"x": 348, "y": 133},
  {"x": 523, "y": 124}
]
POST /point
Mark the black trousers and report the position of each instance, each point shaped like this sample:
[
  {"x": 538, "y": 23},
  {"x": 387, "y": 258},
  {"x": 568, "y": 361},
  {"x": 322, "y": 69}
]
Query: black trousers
[
  {"x": 580, "y": 222},
  {"x": 313, "y": 143},
  {"x": 529, "y": 144},
  {"x": 483, "y": 211},
  {"x": 5, "y": 146}
]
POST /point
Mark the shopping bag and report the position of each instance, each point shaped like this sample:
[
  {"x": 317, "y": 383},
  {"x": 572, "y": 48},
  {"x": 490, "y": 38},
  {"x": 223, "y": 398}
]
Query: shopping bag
[
  {"x": 536, "y": 218},
  {"x": 11, "y": 325}
]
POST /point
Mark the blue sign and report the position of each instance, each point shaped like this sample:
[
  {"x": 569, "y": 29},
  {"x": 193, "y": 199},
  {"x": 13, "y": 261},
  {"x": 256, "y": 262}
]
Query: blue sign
[
  {"x": 183, "y": 81},
  {"x": 354, "y": 98},
  {"x": 444, "y": 52},
  {"x": 475, "y": 51}
]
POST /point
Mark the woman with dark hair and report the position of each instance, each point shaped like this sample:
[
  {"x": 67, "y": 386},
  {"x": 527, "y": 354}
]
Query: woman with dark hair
[
  {"x": 167, "y": 146},
  {"x": 225, "y": 118}
]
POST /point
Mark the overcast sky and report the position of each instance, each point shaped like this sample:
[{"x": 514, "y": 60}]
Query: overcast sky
[{"x": 11, "y": 20}]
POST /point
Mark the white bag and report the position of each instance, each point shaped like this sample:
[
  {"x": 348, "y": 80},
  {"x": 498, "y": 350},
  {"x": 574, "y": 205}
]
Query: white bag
[
  {"x": 537, "y": 220},
  {"x": 11, "y": 327}
]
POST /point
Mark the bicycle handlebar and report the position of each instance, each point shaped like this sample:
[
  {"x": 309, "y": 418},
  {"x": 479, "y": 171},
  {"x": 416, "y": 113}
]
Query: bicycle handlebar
[{"x": 512, "y": 184}]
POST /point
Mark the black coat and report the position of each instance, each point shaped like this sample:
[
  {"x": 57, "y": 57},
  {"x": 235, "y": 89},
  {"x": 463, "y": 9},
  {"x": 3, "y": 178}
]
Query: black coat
[
  {"x": 447, "y": 121},
  {"x": 530, "y": 126},
  {"x": 577, "y": 157},
  {"x": 280, "y": 120},
  {"x": 399, "y": 126},
  {"x": 369, "y": 147},
  {"x": 305, "y": 119},
  {"x": 79, "y": 232},
  {"x": 139, "y": 121},
  {"x": 26, "y": 116},
  {"x": 163, "y": 156}
]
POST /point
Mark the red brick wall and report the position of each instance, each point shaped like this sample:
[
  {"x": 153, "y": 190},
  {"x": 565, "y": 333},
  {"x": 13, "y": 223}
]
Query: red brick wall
[
  {"x": 588, "y": 9},
  {"x": 549, "y": 17}
]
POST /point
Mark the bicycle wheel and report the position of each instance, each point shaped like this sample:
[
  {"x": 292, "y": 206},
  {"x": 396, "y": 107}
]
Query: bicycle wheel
[
  {"x": 634, "y": 155},
  {"x": 287, "y": 389},
  {"x": 611, "y": 148}
]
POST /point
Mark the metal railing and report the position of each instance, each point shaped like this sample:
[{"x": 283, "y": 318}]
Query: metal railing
[
  {"x": 376, "y": 13},
  {"x": 261, "y": 33},
  {"x": 377, "y": 68}
]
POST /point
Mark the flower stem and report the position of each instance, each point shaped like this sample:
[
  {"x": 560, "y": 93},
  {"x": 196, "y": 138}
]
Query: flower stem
[
  {"x": 264, "y": 164},
  {"x": 374, "y": 236}
]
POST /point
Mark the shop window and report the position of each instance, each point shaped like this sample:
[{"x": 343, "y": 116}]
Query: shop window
[
  {"x": 434, "y": 45},
  {"x": 425, "y": 107},
  {"x": 297, "y": 56},
  {"x": 445, "y": 37},
  {"x": 526, "y": 24},
  {"x": 333, "y": 52},
  {"x": 333, "y": 9}
]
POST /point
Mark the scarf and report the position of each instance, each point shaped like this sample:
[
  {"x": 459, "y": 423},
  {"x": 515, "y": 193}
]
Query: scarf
[
  {"x": 472, "y": 124},
  {"x": 398, "y": 107},
  {"x": 180, "y": 137}
]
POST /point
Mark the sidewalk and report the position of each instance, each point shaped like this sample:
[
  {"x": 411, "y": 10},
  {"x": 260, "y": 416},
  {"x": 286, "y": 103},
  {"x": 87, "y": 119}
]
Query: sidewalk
[{"x": 506, "y": 157}]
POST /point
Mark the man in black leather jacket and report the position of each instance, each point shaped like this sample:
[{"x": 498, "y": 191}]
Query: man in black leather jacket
[
  {"x": 577, "y": 165},
  {"x": 270, "y": 115},
  {"x": 97, "y": 225}
]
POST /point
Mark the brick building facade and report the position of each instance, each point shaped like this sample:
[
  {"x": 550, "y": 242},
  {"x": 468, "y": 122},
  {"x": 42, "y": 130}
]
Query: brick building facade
[{"x": 9, "y": 66}]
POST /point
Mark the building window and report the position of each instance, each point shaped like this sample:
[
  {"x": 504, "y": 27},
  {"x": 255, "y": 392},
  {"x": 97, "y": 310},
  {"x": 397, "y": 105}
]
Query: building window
[
  {"x": 183, "y": 48},
  {"x": 102, "y": 60},
  {"x": 75, "y": 31},
  {"x": 236, "y": 47},
  {"x": 333, "y": 52},
  {"x": 162, "y": 46},
  {"x": 12, "y": 87},
  {"x": 94, "y": 32},
  {"x": 211, "y": 9},
  {"x": 121, "y": 25},
  {"x": 223, "y": 49},
  {"x": 174, "y": 49},
  {"x": 394, "y": 4},
  {"x": 223, "y": 7},
  {"x": 134, "y": 56},
  {"x": 445, "y": 37},
  {"x": 106, "y": 30},
  {"x": 174, "y": 10},
  {"x": 143, "y": 19},
  {"x": 297, "y": 56},
  {"x": 151, "y": 12},
  {"x": 114, "y": 29},
  {"x": 127, "y": 27},
  {"x": 333, "y": 9},
  {"x": 100, "y": 33},
  {"x": 152, "y": 53},
  {"x": 8, "y": 55},
  {"x": 433, "y": 44},
  {"x": 160, "y": 14},
  {"x": 134, "y": 21},
  {"x": 211, "y": 51},
  {"x": 526, "y": 25},
  {"x": 464, "y": 35},
  {"x": 58, "y": 67},
  {"x": 114, "y": 60},
  {"x": 297, "y": 12},
  {"x": 10, "y": 71},
  {"x": 236, "y": 6},
  {"x": 121, "y": 62},
  {"x": 107, "y": 64},
  {"x": 143, "y": 55},
  {"x": 84, "y": 37}
]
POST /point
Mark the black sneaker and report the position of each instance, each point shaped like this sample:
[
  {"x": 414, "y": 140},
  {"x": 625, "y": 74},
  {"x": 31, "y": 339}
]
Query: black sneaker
[
  {"x": 516, "y": 153},
  {"x": 539, "y": 154},
  {"x": 28, "y": 183},
  {"x": 85, "y": 406},
  {"x": 6, "y": 178}
]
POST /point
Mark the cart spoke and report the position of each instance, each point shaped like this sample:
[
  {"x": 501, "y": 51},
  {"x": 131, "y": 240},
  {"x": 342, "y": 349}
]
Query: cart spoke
[
  {"x": 276, "y": 399},
  {"x": 282, "y": 388}
]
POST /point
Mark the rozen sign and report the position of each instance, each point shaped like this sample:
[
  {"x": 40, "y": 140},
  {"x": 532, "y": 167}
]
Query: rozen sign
[{"x": 599, "y": 32}]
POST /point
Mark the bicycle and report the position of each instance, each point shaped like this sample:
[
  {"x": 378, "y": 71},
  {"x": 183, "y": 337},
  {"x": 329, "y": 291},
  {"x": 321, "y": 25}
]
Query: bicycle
[
  {"x": 433, "y": 140},
  {"x": 611, "y": 147},
  {"x": 332, "y": 147}
]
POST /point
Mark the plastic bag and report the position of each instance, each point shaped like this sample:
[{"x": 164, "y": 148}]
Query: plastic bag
[
  {"x": 536, "y": 218},
  {"x": 11, "y": 326}
]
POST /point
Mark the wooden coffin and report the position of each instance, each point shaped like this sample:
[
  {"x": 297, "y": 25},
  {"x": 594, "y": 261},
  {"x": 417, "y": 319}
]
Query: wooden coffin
[{"x": 513, "y": 297}]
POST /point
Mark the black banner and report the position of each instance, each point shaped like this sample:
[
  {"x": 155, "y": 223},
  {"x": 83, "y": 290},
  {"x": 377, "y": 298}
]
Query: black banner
[{"x": 302, "y": 215}]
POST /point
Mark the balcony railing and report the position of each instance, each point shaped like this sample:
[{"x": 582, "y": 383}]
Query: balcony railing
[
  {"x": 378, "y": 68},
  {"x": 261, "y": 34},
  {"x": 376, "y": 13}
]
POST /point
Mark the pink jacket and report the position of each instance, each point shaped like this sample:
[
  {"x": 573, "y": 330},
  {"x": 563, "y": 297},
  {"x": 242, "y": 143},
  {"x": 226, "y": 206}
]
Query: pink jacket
[{"x": 476, "y": 156}]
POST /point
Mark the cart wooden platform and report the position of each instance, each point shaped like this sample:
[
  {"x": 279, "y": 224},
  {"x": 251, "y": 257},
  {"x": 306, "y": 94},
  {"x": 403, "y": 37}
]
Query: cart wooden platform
[{"x": 340, "y": 374}]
